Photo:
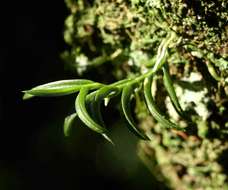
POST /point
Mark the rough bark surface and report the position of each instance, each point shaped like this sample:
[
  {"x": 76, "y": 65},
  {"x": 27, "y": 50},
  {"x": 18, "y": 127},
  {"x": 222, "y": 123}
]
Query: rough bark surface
[{"x": 123, "y": 38}]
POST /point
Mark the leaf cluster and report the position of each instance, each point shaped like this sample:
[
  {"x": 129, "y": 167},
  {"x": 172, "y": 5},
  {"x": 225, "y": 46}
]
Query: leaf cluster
[{"x": 91, "y": 95}]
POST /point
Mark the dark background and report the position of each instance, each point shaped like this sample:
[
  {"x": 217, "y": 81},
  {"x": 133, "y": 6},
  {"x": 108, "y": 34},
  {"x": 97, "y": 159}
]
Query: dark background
[{"x": 34, "y": 152}]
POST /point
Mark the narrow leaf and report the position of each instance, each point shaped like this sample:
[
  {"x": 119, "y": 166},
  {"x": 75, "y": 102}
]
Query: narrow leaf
[
  {"x": 104, "y": 92},
  {"x": 154, "y": 109},
  {"x": 171, "y": 91},
  {"x": 60, "y": 88},
  {"x": 108, "y": 139},
  {"x": 68, "y": 122},
  {"x": 95, "y": 111},
  {"x": 125, "y": 102},
  {"x": 212, "y": 71},
  {"x": 95, "y": 105},
  {"x": 80, "y": 106},
  {"x": 121, "y": 83},
  {"x": 27, "y": 96},
  {"x": 163, "y": 51}
]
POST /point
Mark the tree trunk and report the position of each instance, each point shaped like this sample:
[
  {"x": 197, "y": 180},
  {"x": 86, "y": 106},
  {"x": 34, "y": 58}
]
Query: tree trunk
[{"x": 127, "y": 38}]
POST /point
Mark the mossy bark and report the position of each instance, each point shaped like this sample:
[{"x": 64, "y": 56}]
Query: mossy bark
[{"x": 123, "y": 37}]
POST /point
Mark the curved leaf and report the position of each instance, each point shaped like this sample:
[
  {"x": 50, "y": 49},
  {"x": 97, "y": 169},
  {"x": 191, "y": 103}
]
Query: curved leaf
[
  {"x": 104, "y": 92},
  {"x": 60, "y": 88},
  {"x": 125, "y": 102},
  {"x": 162, "y": 51},
  {"x": 80, "y": 106},
  {"x": 212, "y": 71},
  {"x": 91, "y": 105},
  {"x": 95, "y": 111},
  {"x": 171, "y": 91},
  {"x": 154, "y": 109},
  {"x": 68, "y": 122},
  {"x": 27, "y": 96}
]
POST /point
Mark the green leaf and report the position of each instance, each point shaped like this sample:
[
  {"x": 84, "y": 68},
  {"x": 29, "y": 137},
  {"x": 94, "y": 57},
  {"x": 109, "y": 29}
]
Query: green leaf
[
  {"x": 104, "y": 92},
  {"x": 121, "y": 83},
  {"x": 80, "y": 106},
  {"x": 27, "y": 96},
  {"x": 171, "y": 91},
  {"x": 128, "y": 90},
  {"x": 95, "y": 110},
  {"x": 154, "y": 109},
  {"x": 212, "y": 71},
  {"x": 163, "y": 51},
  {"x": 68, "y": 122},
  {"x": 95, "y": 99},
  {"x": 61, "y": 88}
]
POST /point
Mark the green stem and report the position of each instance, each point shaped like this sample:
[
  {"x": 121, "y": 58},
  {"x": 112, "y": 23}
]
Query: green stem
[{"x": 160, "y": 60}]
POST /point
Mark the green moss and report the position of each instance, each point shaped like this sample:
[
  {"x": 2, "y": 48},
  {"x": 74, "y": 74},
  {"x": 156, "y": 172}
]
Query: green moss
[
  {"x": 135, "y": 39},
  {"x": 128, "y": 35}
]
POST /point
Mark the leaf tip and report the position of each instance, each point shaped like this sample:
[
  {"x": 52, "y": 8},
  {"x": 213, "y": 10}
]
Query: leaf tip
[
  {"x": 27, "y": 96},
  {"x": 146, "y": 138},
  {"x": 108, "y": 139},
  {"x": 68, "y": 122}
]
